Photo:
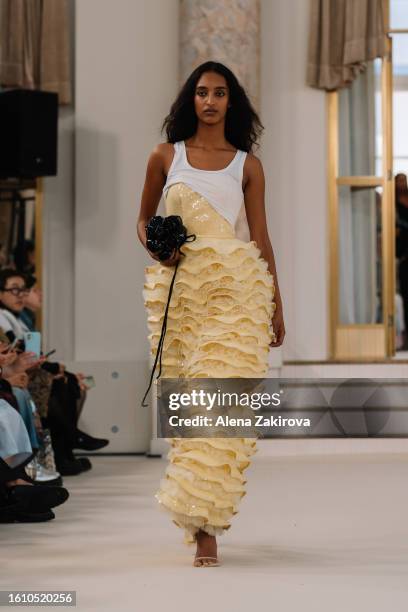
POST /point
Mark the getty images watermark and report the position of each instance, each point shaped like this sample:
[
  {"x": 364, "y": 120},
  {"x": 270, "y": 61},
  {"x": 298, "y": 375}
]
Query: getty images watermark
[
  {"x": 229, "y": 402},
  {"x": 271, "y": 407}
]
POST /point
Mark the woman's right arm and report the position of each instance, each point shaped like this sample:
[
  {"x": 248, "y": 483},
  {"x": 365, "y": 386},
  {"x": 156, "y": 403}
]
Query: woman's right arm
[{"x": 152, "y": 191}]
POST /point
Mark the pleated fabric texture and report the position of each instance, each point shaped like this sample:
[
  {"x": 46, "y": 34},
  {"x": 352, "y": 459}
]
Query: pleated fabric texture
[{"x": 219, "y": 326}]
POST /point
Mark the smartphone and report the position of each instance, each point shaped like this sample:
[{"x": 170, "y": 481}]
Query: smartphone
[
  {"x": 89, "y": 381},
  {"x": 32, "y": 341}
]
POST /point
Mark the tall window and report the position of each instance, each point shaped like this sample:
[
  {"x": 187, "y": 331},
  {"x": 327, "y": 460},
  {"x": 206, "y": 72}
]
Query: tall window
[{"x": 368, "y": 146}]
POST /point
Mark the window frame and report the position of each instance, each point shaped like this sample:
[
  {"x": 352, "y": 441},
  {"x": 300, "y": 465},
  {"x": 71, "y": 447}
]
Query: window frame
[{"x": 376, "y": 341}]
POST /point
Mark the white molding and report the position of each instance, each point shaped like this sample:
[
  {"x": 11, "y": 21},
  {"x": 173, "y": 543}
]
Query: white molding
[{"x": 332, "y": 446}]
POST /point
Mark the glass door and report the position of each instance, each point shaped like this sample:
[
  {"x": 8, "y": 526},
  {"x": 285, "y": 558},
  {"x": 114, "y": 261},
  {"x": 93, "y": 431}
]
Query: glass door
[{"x": 361, "y": 217}]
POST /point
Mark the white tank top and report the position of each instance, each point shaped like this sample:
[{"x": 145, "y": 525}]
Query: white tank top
[{"x": 222, "y": 188}]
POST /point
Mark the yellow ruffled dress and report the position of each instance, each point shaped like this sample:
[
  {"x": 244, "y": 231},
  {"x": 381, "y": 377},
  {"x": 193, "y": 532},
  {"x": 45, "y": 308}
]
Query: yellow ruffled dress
[{"x": 219, "y": 325}]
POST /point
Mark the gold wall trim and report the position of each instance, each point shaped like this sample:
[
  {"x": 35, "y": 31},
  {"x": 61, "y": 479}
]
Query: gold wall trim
[
  {"x": 360, "y": 326},
  {"x": 360, "y": 342},
  {"x": 388, "y": 208},
  {"x": 332, "y": 171},
  {"x": 360, "y": 181}
]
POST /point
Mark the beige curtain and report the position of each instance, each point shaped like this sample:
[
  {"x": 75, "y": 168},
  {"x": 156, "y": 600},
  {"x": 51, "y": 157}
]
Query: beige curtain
[
  {"x": 34, "y": 46},
  {"x": 344, "y": 34}
]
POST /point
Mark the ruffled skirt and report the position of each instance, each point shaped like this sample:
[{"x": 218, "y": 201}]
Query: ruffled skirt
[{"x": 219, "y": 326}]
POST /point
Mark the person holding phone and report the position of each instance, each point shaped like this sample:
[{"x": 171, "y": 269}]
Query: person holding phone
[
  {"x": 66, "y": 393},
  {"x": 20, "y": 501},
  {"x": 12, "y": 291},
  {"x": 66, "y": 397},
  {"x": 32, "y": 302},
  {"x": 13, "y": 387}
]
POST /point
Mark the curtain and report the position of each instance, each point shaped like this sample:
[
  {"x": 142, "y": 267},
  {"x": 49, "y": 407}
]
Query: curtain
[
  {"x": 358, "y": 257},
  {"x": 344, "y": 34},
  {"x": 35, "y": 49}
]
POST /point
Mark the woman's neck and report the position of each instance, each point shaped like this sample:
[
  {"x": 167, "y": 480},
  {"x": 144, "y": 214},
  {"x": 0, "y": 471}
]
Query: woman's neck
[{"x": 210, "y": 137}]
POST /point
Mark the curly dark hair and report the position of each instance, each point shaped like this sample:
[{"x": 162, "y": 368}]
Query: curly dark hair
[
  {"x": 7, "y": 273},
  {"x": 242, "y": 124}
]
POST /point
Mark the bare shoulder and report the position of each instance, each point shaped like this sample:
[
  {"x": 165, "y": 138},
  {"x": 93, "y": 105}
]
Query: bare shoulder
[
  {"x": 253, "y": 168},
  {"x": 160, "y": 151},
  {"x": 162, "y": 156},
  {"x": 164, "y": 148}
]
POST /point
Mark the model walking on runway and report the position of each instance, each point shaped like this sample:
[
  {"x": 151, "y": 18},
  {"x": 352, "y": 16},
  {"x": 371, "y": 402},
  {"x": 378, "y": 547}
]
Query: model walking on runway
[{"x": 226, "y": 292}]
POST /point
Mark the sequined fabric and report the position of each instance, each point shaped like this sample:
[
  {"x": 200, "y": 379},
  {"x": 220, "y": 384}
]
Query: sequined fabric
[
  {"x": 219, "y": 325},
  {"x": 197, "y": 213}
]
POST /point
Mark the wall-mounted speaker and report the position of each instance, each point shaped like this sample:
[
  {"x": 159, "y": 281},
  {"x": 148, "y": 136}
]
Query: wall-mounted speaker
[{"x": 28, "y": 133}]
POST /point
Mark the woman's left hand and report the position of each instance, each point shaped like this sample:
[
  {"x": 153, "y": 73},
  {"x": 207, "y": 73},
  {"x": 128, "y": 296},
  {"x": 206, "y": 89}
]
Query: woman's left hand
[
  {"x": 278, "y": 327},
  {"x": 6, "y": 359},
  {"x": 172, "y": 260}
]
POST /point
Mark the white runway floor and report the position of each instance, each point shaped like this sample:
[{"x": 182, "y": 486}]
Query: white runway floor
[{"x": 313, "y": 534}]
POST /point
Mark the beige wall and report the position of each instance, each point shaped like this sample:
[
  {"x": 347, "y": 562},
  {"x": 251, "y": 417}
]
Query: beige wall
[
  {"x": 58, "y": 231},
  {"x": 294, "y": 158},
  {"x": 58, "y": 243},
  {"x": 126, "y": 78}
]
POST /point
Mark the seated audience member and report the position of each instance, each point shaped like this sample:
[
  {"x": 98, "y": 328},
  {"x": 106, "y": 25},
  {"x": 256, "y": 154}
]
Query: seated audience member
[
  {"x": 32, "y": 302},
  {"x": 43, "y": 472},
  {"x": 25, "y": 404},
  {"x": 12, "y": 292},
  {"x": 13, "y": 389},
  {"x": 34, "y": 390},
  {"x": 67, "y": 389},
  {"x": 20, "y": 501}
]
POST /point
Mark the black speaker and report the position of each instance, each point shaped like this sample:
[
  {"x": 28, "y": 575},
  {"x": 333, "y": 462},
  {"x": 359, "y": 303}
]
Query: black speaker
[{"x": 28, "y": 133}]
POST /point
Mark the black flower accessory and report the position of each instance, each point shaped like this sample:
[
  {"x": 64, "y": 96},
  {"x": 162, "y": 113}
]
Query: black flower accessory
[{"x": 164, "y": 235}]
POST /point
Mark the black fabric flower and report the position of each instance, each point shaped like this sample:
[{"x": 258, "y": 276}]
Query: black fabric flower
[{"x": 165, "y": 234}]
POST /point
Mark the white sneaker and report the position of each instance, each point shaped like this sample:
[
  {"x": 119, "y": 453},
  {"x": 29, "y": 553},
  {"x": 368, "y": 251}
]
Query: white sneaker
[{"x": 44, "y": 475}]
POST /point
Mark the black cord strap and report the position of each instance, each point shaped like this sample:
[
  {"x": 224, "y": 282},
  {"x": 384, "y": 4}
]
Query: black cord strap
[{"x": 159, "y": 351}]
